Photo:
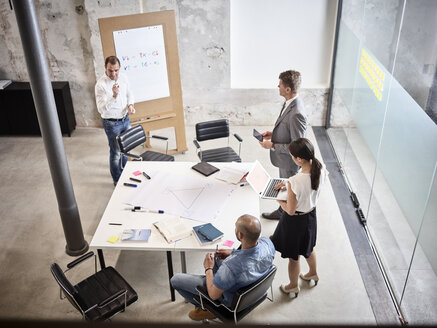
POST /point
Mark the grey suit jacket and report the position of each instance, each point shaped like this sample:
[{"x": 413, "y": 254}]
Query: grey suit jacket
[{"x": 291, "y": 125}]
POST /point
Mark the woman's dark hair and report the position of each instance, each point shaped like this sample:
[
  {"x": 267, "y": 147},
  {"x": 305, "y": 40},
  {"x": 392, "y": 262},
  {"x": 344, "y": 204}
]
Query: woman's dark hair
[{"x": 304, "y": 149}]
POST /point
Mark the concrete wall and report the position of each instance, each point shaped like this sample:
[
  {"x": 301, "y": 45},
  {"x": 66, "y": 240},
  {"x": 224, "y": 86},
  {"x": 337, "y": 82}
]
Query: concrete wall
[{"x": 74, "y": 52}]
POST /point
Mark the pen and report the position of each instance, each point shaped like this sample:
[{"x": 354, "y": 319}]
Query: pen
[
  {"x": 130, "y": 184},
  {"x": 243, "y": 184},
  {"x": 112, "y": 223},
  {"x": 136, "y": 180},
  {"x": 147, "y": 176}
]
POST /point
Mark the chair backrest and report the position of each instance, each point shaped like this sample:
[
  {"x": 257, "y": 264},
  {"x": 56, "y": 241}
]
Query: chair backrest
[
  {"x": 212, "y": 130},
  {"x": 131, "y": 138},
  {"x": 66, "y": 286},
  {"x": 247, "y": 296}
]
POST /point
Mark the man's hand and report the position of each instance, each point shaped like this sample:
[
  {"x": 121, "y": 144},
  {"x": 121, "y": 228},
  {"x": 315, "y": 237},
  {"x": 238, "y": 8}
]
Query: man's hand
[
  {"x": 208, "y": 262},
  {"x": 222, "y": 253},
  {"x": 267, "y": 135},
  {"x": 115, "y": 89},
  {"x": 131, "y": 109},
  {"x": 267, "y": 144}
]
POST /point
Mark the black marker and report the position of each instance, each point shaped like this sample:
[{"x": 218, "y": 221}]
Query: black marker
[
  {"x": 130, "y": 184},
  {"x": 115, "y": 223},
  {"x": 136, "y": 180},
  {"x": 146, "y": 175}
]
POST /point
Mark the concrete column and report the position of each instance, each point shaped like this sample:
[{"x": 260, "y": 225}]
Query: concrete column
[{"x": 42, "y": 92}]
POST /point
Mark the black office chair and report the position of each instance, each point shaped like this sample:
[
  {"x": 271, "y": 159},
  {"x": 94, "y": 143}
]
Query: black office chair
[
  {"x": 214, "y": 130},
  {"x": 134, "y": 137},
  {"x": 99, "y": 296},
  {"x": 245, "y": 299}
]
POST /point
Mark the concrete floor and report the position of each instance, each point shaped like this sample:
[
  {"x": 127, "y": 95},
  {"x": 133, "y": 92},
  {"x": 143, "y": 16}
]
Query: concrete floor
[{"x": 32, "y": 238}]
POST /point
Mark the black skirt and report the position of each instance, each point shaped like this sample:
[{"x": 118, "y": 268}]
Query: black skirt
[{"x": 295, "y": 235}]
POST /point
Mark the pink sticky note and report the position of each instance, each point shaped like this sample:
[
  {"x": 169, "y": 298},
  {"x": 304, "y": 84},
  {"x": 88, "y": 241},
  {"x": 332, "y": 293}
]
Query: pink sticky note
[
  {"x": 136, "y": 173},
  {"x": 228, "y": 243}
]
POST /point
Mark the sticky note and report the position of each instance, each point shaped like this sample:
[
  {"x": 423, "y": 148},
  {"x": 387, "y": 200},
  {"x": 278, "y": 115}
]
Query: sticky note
[
  {"x": 136, "y": 173},
  {"x": 228, "y": 243},
  {"x": 113, "y": 239}
]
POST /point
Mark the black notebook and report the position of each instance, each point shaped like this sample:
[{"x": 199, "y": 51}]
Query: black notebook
[{"x": 205, "y": 168}]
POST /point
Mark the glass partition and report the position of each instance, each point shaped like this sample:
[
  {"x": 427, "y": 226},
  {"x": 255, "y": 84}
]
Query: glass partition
[{"x": 387, "y": 143}]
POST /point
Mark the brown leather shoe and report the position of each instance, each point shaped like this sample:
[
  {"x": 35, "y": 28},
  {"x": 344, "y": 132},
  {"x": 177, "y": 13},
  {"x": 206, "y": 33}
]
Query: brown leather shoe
[
  {"x": 198, "y": 314},
  {"x": 275, "y": 215}
]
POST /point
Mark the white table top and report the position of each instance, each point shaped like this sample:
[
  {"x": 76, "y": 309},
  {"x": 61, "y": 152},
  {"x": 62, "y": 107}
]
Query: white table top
[{"x": 243, "y": 200}]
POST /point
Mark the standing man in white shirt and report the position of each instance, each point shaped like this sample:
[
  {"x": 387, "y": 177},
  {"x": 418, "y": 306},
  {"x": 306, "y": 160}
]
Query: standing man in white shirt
[
  {"x": 114, "y": 100},
  {"x": 290, "y": 125}
]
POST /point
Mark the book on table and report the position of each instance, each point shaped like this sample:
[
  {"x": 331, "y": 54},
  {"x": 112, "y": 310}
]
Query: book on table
[
  {"x": 135, "y": 235},
  {"x": 205, "y": 168},
  {"x": 207, "y": 233},
  {"x": 173, "y": 228}
]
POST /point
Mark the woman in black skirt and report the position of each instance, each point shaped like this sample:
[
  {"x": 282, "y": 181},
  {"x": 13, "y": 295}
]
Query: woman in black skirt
[{"x": 297, "y": 228}]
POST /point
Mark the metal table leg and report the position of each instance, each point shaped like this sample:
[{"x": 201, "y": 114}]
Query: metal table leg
[
  {"x": 170, "y": 274},
  {"x": 101, "y": 259},
  {"x": 183, "y": 263}
]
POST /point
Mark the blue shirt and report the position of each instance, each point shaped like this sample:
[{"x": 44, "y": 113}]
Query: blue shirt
[{"x": 243, "y": 267}]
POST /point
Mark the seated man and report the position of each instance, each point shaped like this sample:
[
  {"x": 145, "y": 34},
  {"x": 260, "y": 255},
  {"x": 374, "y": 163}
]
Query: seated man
[{"x": 227, "y": 271}]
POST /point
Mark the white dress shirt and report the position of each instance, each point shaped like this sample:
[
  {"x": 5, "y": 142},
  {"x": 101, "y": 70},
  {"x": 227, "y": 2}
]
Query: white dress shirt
[
  {"x": 107, "y": 105},
  {"x": 288, "y": 102}
]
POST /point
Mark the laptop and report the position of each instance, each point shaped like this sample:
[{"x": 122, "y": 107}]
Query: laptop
[{"x": 263, "y": 184}]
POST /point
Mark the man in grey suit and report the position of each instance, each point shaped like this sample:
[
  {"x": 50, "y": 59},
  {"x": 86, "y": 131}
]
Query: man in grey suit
[{"x": 290, "y": 125}]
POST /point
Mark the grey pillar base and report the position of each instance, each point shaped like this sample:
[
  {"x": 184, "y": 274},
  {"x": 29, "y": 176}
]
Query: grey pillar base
[{"x": 77, "y": 252}]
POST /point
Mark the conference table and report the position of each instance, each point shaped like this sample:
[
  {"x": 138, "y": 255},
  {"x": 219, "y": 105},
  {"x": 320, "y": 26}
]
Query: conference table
[{"x": 119, "y": 216}]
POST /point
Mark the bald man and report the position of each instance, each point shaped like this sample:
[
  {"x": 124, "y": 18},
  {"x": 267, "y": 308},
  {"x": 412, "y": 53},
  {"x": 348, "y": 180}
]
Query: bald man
[{"x": 227, "y": 271}]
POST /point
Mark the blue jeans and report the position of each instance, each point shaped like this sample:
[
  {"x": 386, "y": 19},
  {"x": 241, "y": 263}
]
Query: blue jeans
[
  {"x": 113, "y": 129},
  {"x": 185, "y": 284}
]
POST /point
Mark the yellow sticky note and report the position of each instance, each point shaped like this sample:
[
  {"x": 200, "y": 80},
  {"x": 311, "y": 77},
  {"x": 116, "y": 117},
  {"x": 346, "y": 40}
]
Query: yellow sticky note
[{"x": 113, "y": 239}]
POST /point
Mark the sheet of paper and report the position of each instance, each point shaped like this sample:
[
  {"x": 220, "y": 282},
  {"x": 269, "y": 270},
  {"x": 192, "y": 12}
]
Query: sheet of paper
[{"x": 190, "y": 197}]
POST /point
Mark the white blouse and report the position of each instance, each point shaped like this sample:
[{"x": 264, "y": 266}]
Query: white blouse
[{"x": 301, "y": 186}]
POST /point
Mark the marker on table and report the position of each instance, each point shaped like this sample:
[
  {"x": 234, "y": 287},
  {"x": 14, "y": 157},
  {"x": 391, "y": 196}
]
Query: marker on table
[
  {"x": 113, "y": 223},
  {"x": 139, "y": 209},
  {"x": 243, "y": 184},
  {"x": 136, "y": 180},
  {"x": 129, "y": 185},
  {"x": 146, "y": 175}
]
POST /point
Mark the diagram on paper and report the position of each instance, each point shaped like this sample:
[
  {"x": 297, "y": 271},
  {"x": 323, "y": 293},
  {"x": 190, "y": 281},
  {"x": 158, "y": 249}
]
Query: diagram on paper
[{"x": 189, "y": 197}]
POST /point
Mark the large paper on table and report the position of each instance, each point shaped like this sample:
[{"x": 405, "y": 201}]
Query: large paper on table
[{"x": 186, "y": 196}]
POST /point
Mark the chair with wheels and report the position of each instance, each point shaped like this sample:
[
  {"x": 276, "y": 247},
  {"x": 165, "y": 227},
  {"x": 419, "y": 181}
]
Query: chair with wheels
[
  {"x": 98, "y": 297},
  {"x": 245, "y": 299},
  {"x": 214, "y": 130},
  {"x": 134, "y": 137}
]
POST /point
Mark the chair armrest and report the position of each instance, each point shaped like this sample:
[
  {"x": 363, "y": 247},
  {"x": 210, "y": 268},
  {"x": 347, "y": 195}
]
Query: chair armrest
[
  {"x": 133, "y": 156},
  {"x": 196, "y": 143},
  {"x": 204, "y": 293},
  {"x": 80, "y": 260},
  {"x": 112, "y": 298},
  {"x": 159, "y": 137},
  {"x": 107, "y": 301},
  {"x": 238, "y": 137}
]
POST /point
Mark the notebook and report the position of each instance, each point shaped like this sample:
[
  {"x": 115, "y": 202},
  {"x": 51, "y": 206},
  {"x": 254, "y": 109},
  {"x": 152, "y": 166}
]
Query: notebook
[
  {"x": 207, "y": 233},
  {"x": 205, "y": 168},
  {"x": 173, "y": 228},
  {"x": 201, "y": 238},
  {"x": 263, "y": 184},
  {"x": 136, "y": 235}
]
